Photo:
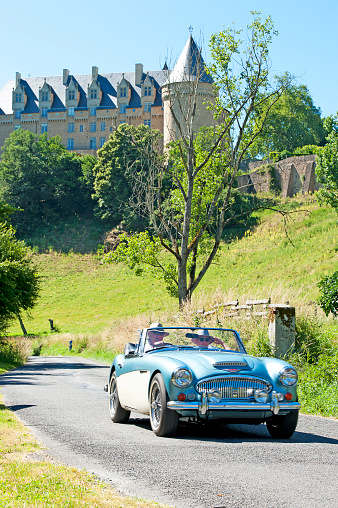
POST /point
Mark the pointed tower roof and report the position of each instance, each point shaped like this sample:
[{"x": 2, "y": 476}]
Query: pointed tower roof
[{"x": 190, "y": 65}]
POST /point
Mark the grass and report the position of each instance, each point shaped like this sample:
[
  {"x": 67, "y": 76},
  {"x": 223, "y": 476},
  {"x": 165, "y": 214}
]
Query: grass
[
  {"x": 27, "y": 480},
  {"x": 83, "y": 296}
]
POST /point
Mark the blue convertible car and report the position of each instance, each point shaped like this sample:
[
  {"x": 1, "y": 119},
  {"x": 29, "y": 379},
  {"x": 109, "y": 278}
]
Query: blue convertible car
[{"x": 201, "y": 374}]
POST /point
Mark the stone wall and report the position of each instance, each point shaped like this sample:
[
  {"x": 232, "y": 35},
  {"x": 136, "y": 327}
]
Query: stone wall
[{"x": 290, "y": 176}]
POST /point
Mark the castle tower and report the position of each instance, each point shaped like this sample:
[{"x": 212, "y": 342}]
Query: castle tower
[{"x": 187, "y": 83}]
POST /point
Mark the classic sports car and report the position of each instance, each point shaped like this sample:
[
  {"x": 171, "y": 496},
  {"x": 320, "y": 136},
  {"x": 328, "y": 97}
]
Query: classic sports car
[{"x": 201, "y": 374}]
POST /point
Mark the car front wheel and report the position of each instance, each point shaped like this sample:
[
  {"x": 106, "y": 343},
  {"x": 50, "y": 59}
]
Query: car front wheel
[
  {"x": 163, "y": 421},
  {"x": 282, "y": 427},
  {"x": 117, "y": 413}
]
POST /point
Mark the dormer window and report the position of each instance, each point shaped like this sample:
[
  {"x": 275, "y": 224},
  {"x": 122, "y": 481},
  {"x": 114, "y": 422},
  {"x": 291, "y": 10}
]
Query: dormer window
[
  {"x": 44, "y": 96},
  {"x": 123, "y": 92},
  {"x": 147, "y": 91},
  {"x": 93, "y": 94},
  {"x": 71, "y": 95},
  {"x": 18, "y": 97}
]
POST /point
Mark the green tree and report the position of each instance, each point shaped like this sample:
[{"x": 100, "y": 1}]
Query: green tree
[
  {"x": 293, "y": 121},
  {"x": 19, "y": 279},
  {"x": 39, "y": 176},
  {"x": 187, "y": 199},
  {"x": 328, "y": 299},
  {"x": 121, "y": 161},
  {"x": 327, "y": 165}
]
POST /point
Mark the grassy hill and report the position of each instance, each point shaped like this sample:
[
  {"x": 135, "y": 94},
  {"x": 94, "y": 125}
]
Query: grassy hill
[{"x": 272, "y": 259}]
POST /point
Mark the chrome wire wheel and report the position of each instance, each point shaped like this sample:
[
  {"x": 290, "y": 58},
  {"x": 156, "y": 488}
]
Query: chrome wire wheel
[
  {"x": 163, "y": 421},
  {"x": 156, "y": 405},
  {"x": 117, "y": 413},
  {"x": 112, "y": 397}
]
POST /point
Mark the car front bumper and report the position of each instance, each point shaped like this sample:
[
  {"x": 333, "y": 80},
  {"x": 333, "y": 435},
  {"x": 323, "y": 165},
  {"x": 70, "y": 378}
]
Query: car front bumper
[{"x": 204, "y": 405}]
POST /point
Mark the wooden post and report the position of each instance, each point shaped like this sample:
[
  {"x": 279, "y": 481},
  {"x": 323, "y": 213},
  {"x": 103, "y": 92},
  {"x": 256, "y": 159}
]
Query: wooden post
[{"x": 282, "y": 328}]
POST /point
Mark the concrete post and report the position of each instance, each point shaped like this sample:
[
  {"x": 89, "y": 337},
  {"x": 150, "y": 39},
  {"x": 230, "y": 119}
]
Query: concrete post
[{"x": 282, "y": 328}]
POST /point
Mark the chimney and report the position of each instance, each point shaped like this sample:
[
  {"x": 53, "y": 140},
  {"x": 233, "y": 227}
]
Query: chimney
[
  {"x": 65, "y": 76},
  {"x": 17, "y": 78},
  {"x": 95, "y": 73},
  {"x": 138, "y": 74}
]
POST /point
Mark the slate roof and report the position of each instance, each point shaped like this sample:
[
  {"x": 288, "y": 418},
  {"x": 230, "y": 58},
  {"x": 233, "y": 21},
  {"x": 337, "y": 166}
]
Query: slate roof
[
  {"x": 108, "y": 84},
  {"x": 190, "y": 65}
]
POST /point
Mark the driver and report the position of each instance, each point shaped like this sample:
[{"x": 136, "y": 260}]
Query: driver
[
  {"x": 156, "y": 335},
  {"x": 202, "y": 338}
]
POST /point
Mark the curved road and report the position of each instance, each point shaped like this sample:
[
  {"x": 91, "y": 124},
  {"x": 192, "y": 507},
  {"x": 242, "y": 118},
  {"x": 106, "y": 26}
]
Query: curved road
[{"x": 61, "y": 399}]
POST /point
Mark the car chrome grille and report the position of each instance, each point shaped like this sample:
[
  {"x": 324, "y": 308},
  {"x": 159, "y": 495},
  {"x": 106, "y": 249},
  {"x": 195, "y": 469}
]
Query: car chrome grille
[{"x": 233, "y": 387}]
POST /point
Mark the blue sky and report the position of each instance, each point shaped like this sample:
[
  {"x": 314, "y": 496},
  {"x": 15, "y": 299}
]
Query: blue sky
[{"x": 40, "y": 38}]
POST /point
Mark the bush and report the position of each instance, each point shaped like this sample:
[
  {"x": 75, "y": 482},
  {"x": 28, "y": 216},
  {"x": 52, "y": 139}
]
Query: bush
[
  {"x": 318, "y": 386},
  {"x": 10, "y": 353},
  {"x": 328, "y": 300}
]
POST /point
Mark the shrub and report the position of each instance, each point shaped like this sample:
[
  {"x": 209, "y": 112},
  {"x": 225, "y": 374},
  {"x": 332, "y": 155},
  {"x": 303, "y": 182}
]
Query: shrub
[{"x": 328, "y": 300}]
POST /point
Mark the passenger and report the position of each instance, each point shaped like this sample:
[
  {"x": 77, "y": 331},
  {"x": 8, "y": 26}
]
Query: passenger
[
  {"x": 156, "y": 335},
  {"x": 202, "y": 338}
]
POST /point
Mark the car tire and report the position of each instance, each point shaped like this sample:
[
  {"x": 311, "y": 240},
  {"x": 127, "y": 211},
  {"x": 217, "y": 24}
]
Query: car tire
[
  {"x": 282, "y": 427},
  {"x": 163, "y": 421},
  {"x": 117, "y": 413}
]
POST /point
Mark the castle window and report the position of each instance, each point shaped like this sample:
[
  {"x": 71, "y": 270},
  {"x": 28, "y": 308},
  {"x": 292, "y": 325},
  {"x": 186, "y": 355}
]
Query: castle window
[
  {"x": 147, "y": 123},
  {"x": 44, "y": 96},
  {"x": 123, "y": 108},
  {"x": 147, "y": 107},
  {"x": 44, "y": 113},
  {"x": 123, "y": 92},
  {"x": 103, "y": 126},
  {"x": 102, "y": 142},
  {"x": 147, "y": 91},
  {"x": 18, "y": 97},
  {"x": 81, "y": 128},
  {"x": 17, "y": 113},
  {"x": 92, "y": 143},
  {"x": 93, "y": 94},
  {"x": 70, "y": 144},
  {"x": 93, "y": 127},
  {"x": 70, "y": 127},
  {"x": 71, "y": 111},
  {"x": 92, "y": 110},
  {"x": 44, "y": 128},
  {"x": 71, "y": 95},
  {"x": 16, "y": 127}
]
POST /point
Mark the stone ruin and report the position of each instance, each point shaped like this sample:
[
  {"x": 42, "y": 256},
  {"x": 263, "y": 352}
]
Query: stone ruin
[{"x": 288, "y": 176}]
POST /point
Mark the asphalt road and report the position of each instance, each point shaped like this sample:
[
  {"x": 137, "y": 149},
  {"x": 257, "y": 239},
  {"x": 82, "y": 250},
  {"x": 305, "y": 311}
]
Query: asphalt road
[{"x": 62, "y": 401}]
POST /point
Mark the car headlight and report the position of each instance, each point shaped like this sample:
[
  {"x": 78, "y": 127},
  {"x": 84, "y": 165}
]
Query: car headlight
[
  {"x": 181, "y": 377},
  {"x": 288, "y": 376}
]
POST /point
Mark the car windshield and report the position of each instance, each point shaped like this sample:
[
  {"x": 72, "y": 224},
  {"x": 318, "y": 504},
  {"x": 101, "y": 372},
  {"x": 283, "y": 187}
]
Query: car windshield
[{"x": 157, "y": 338}]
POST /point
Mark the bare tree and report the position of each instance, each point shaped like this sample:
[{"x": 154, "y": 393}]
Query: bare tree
[{"x": 187, "y": 195}]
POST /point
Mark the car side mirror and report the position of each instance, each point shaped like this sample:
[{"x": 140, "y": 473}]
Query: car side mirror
[{"x": 130, "y": 350}]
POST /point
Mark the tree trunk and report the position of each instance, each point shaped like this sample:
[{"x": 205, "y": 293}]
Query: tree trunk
[{"x": 24, "y": 331}]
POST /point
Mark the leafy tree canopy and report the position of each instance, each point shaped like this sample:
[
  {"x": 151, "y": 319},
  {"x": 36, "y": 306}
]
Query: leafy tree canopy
[
  {"x": 327, "y": 164},
  {"x": 328, "y": 299},
  {"x": 39, "y": 176},
  {"x": 123, "y": 158},
  {"x": 293, "y": 121},
  {"x": 19, "y": 279}
]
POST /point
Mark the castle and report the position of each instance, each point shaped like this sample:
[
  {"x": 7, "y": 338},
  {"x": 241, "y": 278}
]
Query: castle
[{"x": 84, "y": 110}]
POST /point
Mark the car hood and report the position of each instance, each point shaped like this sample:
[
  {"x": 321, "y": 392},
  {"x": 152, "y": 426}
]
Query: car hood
[{"x": 205, "y": 363}]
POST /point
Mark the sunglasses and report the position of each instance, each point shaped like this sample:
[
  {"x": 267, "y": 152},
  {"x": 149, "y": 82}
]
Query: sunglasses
[{"x": 204, "y": 339}]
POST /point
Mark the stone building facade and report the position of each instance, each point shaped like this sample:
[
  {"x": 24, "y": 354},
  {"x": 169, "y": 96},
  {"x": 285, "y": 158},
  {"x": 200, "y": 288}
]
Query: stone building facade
[{"x": 84, "y": 110}]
